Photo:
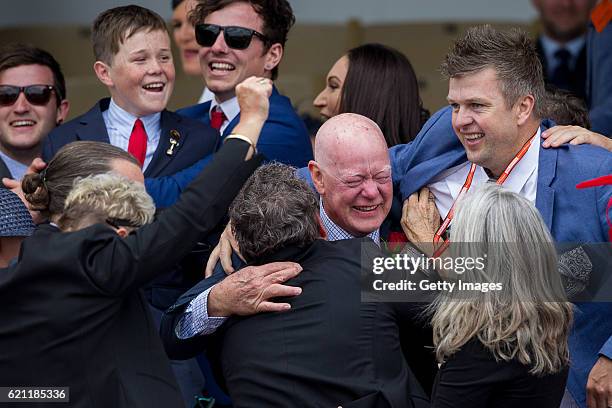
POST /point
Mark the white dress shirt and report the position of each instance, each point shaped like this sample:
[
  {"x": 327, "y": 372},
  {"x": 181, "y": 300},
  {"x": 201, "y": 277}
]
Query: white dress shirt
[
  {"x": 523, "y": 179},
  {"x": 119, "y": 124},
  {"x": 206, "y": 96},
  {"x": 16, "y": 168},
  {"x": 230, "y": 108}
]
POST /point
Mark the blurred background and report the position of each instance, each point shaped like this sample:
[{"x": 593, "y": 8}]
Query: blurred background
[{"x": 324, "y": 30}]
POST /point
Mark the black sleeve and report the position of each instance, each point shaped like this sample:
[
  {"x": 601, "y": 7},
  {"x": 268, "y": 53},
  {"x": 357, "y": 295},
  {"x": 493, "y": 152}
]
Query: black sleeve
[
  {"x": 182, "y": 349},
  {"x": 465, "y": 379},
  {"x": 126, "y": 264}
]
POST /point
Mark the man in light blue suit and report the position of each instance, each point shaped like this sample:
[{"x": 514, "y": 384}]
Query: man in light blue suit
[{"x": 495, "y": 94}]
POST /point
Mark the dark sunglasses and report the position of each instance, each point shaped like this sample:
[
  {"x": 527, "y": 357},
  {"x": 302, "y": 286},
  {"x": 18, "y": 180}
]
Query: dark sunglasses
[
  {"x": 119, "y": 222},
  {"x": 35, "y": 94},
  {"x": 238, "y": 38}
]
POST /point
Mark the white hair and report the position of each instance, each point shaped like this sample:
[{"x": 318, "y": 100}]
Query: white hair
[{"x": 528, "y": 320}]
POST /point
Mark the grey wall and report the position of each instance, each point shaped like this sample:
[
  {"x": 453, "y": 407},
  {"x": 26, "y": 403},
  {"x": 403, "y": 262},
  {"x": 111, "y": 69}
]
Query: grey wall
[{"x": 50, "y": 12}]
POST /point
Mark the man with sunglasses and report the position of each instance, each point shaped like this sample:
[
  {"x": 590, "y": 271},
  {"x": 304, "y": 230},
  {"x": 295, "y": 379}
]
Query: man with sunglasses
[
  {"x": 32, "y": 103},
  {"x": 240, "y": 39}
]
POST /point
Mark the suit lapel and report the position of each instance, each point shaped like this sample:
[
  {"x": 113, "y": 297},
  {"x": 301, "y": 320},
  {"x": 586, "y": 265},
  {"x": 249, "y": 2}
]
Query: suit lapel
[
  {"x": 230, "y": 127},
  {"x": 205, "y": 112},
  {"x": 4, "y": 171},
  {"x": 547, "y": 168},
  {"x": 170, "y": 125},
  {"x": 92, "y": 123}
]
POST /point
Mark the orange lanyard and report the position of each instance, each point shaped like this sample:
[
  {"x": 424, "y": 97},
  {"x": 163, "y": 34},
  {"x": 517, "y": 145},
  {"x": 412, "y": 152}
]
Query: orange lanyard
[{"x": 466, "y": 187}]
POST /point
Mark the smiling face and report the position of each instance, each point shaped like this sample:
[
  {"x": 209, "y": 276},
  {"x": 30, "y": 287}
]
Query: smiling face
[
  {"x": 488, "y": 129},
  {"x": 328, "y": 101},
  {"x": 184, "y": 37},
  {"x": 224, "y": 67},
  {"x": 141, "y": 75},
  {"x": 352, "y": 173},
  {"x": 23, "y": 125}
]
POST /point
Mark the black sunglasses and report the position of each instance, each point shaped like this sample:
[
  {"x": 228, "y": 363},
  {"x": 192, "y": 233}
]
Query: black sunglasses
[
  {"x": 35, "y": 94},
  {"x": 119, "y": 222},
  {"x": 238, "y": 38}
]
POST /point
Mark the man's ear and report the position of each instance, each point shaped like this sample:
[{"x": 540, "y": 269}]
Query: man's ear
[
  {"x": 103, "y": 72},
  {"x": 524, "y": 109},
  {"x": 317, "y": 176},
  {"x": 62, "y": 112},
  {"x": 273, "y": 57}
]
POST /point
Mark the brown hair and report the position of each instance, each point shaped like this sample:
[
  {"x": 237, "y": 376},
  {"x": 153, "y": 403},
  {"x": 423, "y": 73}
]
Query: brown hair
[
  {"x": 511, "y": 54},
  {"x": 273, "y": 210},
  {"x": 381, "y": 85},
  {"x": 277, "y": 16},
  {"x": 47, "y": 190},
  {"x": 113, "y": 26},
  {"x": 15, "y": 55},
  {"x": 565, "y": 108}
]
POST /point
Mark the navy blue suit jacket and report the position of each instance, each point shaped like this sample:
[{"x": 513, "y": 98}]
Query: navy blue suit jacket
[
  {"x": 572, "y": 215},
  {"x": 599, "y": 85},
  {"x": 196, "y": 140},
  {"x": 283, "y": 138}
]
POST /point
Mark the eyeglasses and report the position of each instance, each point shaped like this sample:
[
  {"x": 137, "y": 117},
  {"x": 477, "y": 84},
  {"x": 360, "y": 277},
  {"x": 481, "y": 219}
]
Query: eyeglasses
[
  {"x": 238, "y": 38},
  {"x": 35, "y": 94}
]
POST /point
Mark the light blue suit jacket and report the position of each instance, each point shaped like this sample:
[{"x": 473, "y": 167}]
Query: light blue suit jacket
[{"x": 572, "y": 215}]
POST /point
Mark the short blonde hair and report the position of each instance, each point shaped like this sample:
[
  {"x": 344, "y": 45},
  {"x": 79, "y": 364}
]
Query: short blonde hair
[{"x": 107, "y": 196}]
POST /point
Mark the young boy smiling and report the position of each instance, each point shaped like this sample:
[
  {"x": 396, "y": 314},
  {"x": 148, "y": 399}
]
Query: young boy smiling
[{"x": 134, "y": 61}]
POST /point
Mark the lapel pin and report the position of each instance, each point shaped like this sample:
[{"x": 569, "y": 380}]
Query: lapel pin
[{"x": 174, "y": 141}]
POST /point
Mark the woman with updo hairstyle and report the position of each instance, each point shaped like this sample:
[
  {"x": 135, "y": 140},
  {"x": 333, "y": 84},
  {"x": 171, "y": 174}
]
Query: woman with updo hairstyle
[
  {"x": 47, "y": 191},
  {"x": 508, "y": 346},
  {"x": 378, "y": 82}
]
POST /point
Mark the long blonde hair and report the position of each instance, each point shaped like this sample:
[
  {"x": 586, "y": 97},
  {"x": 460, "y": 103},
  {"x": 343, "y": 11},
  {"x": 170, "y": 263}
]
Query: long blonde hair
[{"x": 528, "y": 320}]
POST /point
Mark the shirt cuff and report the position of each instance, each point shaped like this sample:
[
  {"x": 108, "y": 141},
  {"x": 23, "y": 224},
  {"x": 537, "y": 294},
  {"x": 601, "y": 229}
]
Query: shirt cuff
[{"x": 195, "y": 320}]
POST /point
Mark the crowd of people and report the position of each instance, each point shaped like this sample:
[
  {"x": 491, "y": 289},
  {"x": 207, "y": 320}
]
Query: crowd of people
[{"x": 221, "y": 256}]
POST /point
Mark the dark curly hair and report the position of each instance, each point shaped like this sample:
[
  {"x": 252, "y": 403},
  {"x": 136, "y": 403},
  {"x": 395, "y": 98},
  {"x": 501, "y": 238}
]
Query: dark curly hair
[
  {"x": 277, "y": 16},
  {"x": 274, "y": 209}
]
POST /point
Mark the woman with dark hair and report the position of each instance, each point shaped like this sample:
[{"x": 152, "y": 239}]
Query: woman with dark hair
[{"x": 378, "y": 82}]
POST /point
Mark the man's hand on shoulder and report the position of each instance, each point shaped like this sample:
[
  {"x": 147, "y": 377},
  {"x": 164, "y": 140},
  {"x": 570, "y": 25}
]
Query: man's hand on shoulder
[
  {"x": 249, "y": 290},
  {"x": 599, "y": 384}
]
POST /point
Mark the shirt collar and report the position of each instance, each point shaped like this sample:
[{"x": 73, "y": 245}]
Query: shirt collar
[
  {"x": 16, "y": 168},
  {"x": 230, "y": 108},
  {"x": 551, "y": 46},
  {"x": 336, "y": 233},
  {"x": 120, "y": 118}
]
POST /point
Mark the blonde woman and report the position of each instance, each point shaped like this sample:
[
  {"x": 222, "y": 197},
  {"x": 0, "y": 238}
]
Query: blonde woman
[{"x": 508, "y": 347}]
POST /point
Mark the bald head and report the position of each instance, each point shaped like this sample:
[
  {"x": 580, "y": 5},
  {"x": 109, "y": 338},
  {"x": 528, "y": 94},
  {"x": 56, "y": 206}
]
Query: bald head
[
  {"x": 343, "y": 131},
  {"x": 352, "y": 173}
]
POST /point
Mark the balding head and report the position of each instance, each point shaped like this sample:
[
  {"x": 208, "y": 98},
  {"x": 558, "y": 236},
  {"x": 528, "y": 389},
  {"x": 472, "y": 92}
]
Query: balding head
[
  {"x": 352, "y": 173},
  {"x": 343, "y": 131}
]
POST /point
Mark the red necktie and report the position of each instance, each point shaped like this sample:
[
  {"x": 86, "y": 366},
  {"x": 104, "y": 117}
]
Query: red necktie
[
  {"x": 138, "y": 142},
  {"x": 217, "y": 117}
]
